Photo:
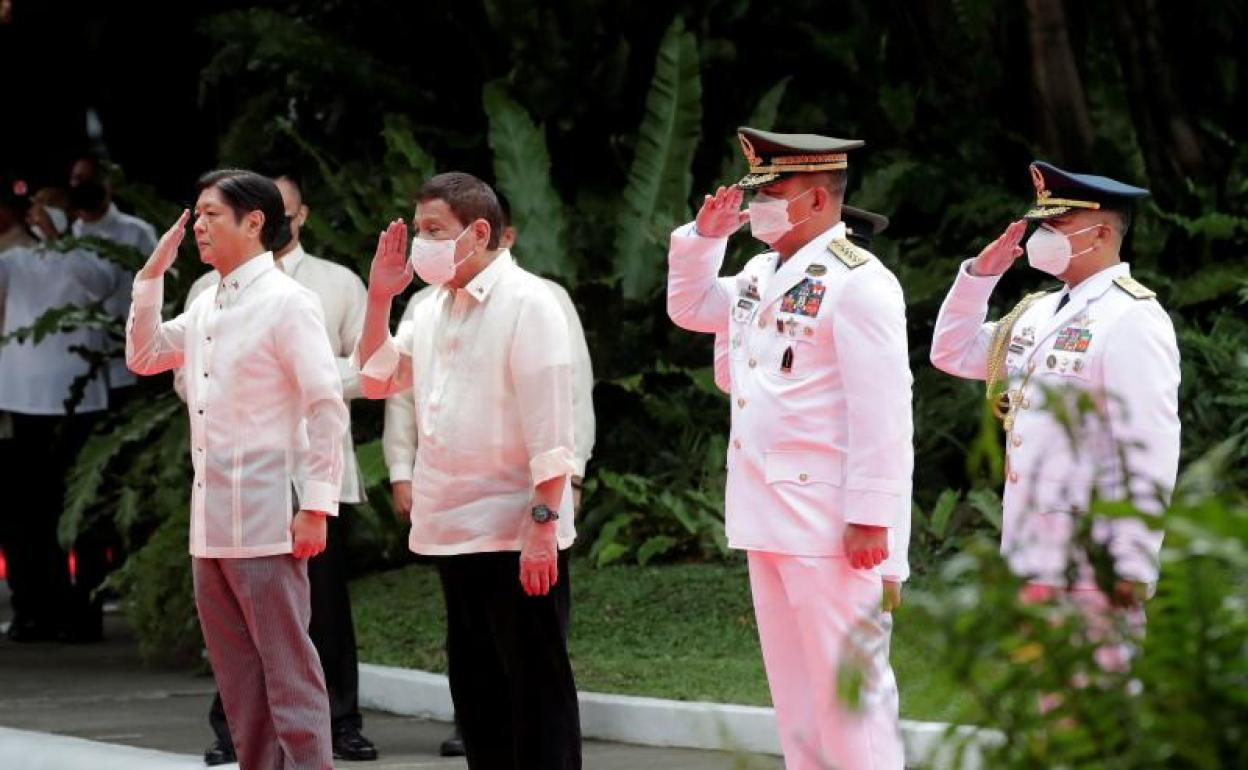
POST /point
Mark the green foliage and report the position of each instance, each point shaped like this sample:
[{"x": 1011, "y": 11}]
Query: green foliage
[
  {"x": 1184, "y": 701},
  {"x": 659, "y": 181},
  {"x": 522, "y": 171}
]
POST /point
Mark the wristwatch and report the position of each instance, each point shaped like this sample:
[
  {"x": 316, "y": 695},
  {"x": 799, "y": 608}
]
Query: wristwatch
[{"x": 542, "y": 513}]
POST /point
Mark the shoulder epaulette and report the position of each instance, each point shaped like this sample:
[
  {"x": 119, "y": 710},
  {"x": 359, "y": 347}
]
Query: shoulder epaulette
[
  {"x": 850, "y": 255},
  {"x": 1134, "y": 287}
]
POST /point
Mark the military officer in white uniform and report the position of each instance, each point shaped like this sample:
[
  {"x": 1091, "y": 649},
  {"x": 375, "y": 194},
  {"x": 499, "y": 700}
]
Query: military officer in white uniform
[
  {"x": 1102, "y": 336},
  {"x": 821, "y": 452}
]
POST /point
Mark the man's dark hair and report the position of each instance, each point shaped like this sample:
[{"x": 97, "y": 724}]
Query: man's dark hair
[
  {"x": 96, "y": 163},
  {"x": 469, "y": 199},
  {"x": 245, "y": 192},
  {"x": 89, "y": 196}
]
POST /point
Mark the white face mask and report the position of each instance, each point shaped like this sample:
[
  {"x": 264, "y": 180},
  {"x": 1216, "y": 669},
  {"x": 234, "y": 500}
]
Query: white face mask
[
  {"x": 434, "y": 260},
  {"x": 1048, "y": 250},
  {"x": 60, "y": 221},
  {"x": 769, "y": 219}
]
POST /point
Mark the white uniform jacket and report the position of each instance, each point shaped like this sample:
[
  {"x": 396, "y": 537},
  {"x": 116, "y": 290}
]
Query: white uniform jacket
[
  {"x": 822, "y": 434},
  {"x": 1115, "y": 344}
]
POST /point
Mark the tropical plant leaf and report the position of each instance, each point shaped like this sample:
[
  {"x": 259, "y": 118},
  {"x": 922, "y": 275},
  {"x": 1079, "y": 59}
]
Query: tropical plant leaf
[
  {"x": 659, "y": 181},
  {"x": 764, "y": 119},
  {"x": 522, "y": 172}
]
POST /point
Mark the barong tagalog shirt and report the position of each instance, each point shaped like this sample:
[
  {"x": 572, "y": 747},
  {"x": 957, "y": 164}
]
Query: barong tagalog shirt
[
  {"x": 490, "y": 366},
  {"x": 264, "y": 397}
]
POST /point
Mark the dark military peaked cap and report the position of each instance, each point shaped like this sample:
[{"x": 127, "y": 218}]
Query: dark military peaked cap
[
  {"x": 1059, "y": 192},
  {"x": 771, "y": 155},
  {"x": 862, "y": 225}
]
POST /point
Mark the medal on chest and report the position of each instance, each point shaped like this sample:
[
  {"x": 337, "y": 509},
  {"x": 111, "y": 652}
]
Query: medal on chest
[{"x": 804, "y": 299}]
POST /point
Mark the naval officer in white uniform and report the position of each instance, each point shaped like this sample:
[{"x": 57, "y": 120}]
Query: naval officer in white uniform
[{"x": 1102, "y": 340}]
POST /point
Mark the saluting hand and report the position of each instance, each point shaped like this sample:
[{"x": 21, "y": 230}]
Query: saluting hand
[
  {"x": 997, "y": 256},
  {"x": 390, "y": 272},
  {"x": 865, "y": 546},
  {"x": 721, "y": 214},
  {"x": 166, "y": 250}
]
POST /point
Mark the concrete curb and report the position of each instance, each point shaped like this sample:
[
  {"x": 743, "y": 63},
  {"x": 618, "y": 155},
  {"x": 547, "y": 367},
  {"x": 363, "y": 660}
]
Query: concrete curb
[
  {"x": 667, "y": 723},
  {"x": 43, "y": 751}
]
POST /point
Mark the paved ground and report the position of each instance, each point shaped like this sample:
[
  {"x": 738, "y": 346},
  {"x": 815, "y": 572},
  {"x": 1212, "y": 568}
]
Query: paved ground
[{"x": 103, "y": 692}]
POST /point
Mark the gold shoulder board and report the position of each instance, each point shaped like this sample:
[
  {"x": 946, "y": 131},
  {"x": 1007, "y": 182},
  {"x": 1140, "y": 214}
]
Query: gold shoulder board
[
  {"x": 1134, "y": 287},
  {"x": 850, "y": 255}
]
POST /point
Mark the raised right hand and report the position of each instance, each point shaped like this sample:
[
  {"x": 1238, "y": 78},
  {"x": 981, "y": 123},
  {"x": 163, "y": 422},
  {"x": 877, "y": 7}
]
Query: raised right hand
[
  {"x": 997, "y": 256},
  {"x": 721, "y": 214},
  {"x": 391, "y": 272},
  {"x": 166, "y": 250}
]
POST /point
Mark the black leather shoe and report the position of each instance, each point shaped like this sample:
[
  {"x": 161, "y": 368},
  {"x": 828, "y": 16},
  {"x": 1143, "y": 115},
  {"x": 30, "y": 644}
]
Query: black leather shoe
[
  {"x": 352, "y": 746},
  {"x": 453, "y": 746},
  {"x": 23, "y": 630},
  {"x": 219, "y": 754}
]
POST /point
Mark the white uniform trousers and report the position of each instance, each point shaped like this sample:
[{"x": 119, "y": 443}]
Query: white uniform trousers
[{"x": 813, "y": 614}]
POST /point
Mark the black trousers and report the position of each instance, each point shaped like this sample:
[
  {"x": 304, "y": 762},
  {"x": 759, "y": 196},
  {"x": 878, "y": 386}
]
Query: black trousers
[
  {"x": 42, "y": 450},
  {"x": 332, "y": 630},
  {"x": 515, "y": 698}
]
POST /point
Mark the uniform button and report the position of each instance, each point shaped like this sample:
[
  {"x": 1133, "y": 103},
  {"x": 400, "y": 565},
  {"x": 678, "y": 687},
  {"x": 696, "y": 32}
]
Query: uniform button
[
  {"x": 201, "y": 411},
  {"x": 741, "y": 402},
  {"x": 736, "y": 443},
  {"x": 1026, "y": 403},
  {"x": 200, "y": 449},
  {"x": 199, "y": 484},
  {"x": 205, "y": 375},
  {"x": 802, "y": 477},
  {"x": 1017, "y": 440},
  {"x": 210, "y": 339},
  {"x": 762, "y": 322},
  {"x": 1013, "y": 477},
  {"x": 753, "y": 363}
]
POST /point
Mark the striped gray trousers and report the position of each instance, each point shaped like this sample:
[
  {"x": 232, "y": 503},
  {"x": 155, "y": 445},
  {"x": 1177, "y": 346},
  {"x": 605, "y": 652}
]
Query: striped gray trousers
[{"x": 254, "y": 613}]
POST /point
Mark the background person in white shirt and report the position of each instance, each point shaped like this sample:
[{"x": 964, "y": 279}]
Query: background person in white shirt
[
  {"x": 399, "y": 434},
  {"x": 97, "y": 216},
  {"x": 37, "y": 389},
  {"x": 343, "y": 298},
  {"x": 489, "y": 359},
  {"x": 264, "y": 398}
]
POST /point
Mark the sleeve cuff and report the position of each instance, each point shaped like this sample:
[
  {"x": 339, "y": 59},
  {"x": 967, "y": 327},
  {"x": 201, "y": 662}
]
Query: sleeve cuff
[
  {"x": 320, "y": 496},
  {"x": 148, "y": 292},
  {"x": 875, "y": 508},
  {"x": 578, "y": 466},
  {"x": 548, "y": 465},
  {"x": 400, "y": 472},
  {"x": 972, "y": 291},
  {"x": 383, "y": 362}
]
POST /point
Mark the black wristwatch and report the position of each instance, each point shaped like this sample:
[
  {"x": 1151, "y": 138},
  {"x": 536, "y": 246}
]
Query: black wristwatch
[{"x": 542, "y": 513}]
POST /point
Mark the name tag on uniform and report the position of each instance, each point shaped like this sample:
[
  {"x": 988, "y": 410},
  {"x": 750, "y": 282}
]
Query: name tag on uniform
[
  {"x": 804, "y": 299},
  {"x": 744, "y": 309}
]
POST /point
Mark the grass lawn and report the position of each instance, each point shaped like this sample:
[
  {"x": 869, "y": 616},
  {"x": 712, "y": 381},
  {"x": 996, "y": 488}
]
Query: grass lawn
[{"x": 674, "y": 631}]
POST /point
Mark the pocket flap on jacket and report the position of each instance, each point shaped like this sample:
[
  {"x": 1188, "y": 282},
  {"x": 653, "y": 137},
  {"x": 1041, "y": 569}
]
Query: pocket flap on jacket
[{"x": 803, "y": 467}]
